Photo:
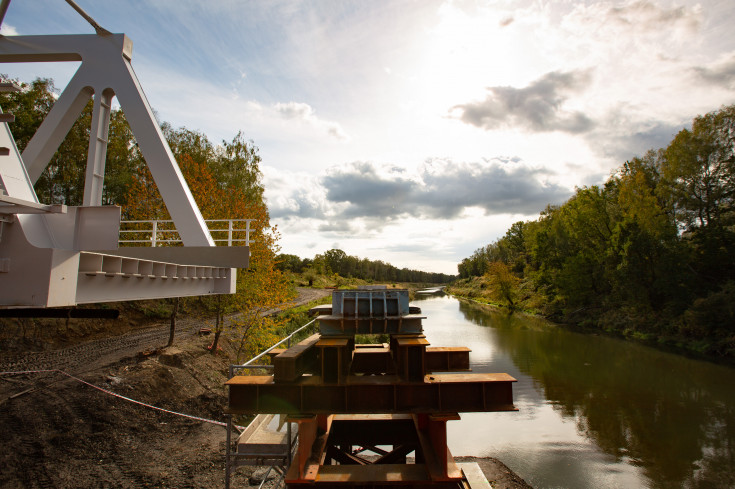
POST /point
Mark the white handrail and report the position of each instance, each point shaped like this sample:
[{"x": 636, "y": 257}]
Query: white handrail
[{"x": 162, "y": 231}]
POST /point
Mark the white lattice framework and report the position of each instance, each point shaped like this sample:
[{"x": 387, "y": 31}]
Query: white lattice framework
[{"x": 64, "y": 255}]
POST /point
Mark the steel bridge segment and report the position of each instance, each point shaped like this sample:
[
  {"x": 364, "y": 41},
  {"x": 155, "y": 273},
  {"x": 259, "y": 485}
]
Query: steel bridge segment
[
  {"x": 47, "y": 250},
  {"x": 105, "y": 70}
]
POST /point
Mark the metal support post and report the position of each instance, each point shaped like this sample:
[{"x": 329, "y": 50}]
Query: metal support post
[
  {"x": 228, "y": 447},
  {"x": 154, "y": 234}
]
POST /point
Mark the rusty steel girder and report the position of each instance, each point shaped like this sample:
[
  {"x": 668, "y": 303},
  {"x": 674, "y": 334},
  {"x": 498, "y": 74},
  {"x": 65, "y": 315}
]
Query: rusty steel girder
[{"x": 437, "y": 393}]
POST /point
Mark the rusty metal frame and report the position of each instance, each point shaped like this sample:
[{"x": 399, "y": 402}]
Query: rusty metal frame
[
  {"x": 333, "y": 437},
  {"x": 332, "y": 389}
]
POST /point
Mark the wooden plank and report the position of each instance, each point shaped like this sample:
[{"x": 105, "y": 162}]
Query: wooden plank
[
  {"x": 372, "y": 473},
  {"x": 275, "y": 352},
  {"x": 474, "y": 476}
]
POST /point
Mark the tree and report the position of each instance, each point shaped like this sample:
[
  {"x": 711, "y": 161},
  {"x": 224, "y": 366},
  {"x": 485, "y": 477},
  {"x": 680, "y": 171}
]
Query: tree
[
  {"x": 504, "y": 285},
  {"x": 172, "y": 329},
  {"x": 699, "y": 169},
  {"x": 260, "y": 288},
  {"x": 291, "y": 263},
  {"x": 63, "y": 179},
  {"x": 334, "y": 259},
  {"x": 699, "y": 177}
]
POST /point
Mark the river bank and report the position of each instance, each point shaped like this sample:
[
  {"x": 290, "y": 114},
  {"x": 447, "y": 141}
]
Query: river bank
[{"x": 672, "y": 344}]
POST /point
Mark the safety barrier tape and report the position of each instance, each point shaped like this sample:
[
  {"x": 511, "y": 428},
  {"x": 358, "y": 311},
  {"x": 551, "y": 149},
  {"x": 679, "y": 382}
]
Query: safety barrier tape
[{"x": 134, "y": 401}]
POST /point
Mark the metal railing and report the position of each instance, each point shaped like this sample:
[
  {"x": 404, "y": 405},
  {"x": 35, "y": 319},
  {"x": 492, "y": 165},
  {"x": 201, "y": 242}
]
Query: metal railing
[
  {"x": 230, "y": 456},
  {"x": 156, "y": 232},
  {"x": 250, "y": 364}
]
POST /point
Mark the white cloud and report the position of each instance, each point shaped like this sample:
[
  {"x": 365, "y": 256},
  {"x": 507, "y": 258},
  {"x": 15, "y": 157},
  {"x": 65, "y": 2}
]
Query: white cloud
[
  {"x": 370, "y": 196},
  {"x": 8, "y": 30},
  {"x": 537, "y": 107},
  {"x": 304, "y": 112},
  {"x": 719, "y": 73}
]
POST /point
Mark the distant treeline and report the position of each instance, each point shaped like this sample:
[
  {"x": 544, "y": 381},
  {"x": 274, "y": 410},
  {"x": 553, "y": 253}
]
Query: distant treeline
[
  {"x": 651, "y": 253},
  {"x": 339, "y": 262}
]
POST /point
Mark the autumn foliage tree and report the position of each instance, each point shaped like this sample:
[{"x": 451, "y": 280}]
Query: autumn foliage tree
[{"x": 226, "y": 184}]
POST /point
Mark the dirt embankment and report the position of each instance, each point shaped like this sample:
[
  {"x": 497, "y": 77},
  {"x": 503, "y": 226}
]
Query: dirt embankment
[{"x": 61, "y": 433}]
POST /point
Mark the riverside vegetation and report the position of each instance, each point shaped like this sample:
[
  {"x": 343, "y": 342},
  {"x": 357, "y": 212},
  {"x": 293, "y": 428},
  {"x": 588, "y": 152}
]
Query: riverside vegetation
[{"x": 648, "y": 254}]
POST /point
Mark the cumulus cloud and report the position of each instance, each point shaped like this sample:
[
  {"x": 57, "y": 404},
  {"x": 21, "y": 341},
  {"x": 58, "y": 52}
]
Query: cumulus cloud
[
  {"x": 624, "y": 133},
  {"x": 305, "y": 113},
  {"x": 371, "y": 191},
  {"x": 721, "y": 73},
  {"x": 633, "y": 20},
  {"x": 539, "y": 107},
  {"x": 8, "y": 30},
  {"x": 363, "y": 195},
  {"x": 338, "y": 227},
  {"x": 649, "y": 16}
]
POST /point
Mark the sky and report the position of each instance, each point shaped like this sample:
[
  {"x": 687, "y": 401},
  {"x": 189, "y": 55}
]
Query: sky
[{"x": 415, "y": 132}]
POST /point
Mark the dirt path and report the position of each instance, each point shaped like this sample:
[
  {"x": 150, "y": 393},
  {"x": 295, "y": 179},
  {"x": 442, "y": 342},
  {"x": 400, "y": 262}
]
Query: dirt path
[{"x": 91, "y": 355}]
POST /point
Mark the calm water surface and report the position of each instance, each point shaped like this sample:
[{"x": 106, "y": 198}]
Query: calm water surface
[{"x": 594, "y": 412}]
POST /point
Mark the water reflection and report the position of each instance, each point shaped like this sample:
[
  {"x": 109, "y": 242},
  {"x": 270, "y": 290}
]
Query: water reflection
[{"x": 646, "y": 416}]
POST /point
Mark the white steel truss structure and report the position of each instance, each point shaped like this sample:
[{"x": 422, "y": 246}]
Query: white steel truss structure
[{"x": 55, "y": 255}]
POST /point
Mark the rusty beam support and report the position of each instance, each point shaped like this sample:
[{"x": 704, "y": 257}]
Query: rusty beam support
[
  {"x": 372, "y": 360},
  {"x": 340, "y": 325},
  {"x": 344, "y": 457},
  {"x": 335, "y": 354},
  {"x": 438, "y": 393},
  {"x": 313, "y": 434},
  {"x": 292, "y": 363},
  {"x": 410, "y": 356},
  {"x": 377, "y": 359},
  {"x": 432, "y": 433},
  {"x": 447, "y": 359},
  {"x": 369, "y": 430},
  {"x": 397, "y": 455}
]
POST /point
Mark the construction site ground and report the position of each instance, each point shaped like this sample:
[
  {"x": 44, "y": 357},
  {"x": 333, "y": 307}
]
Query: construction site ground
[{"x": 59, "y": 432}]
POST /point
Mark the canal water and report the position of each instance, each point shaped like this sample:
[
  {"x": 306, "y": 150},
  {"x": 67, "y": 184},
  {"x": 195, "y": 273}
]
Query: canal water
[{"x": 593, "y": 411}]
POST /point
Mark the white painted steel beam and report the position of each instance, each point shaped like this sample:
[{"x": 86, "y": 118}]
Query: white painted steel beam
[{"x": 95, "y": 177}]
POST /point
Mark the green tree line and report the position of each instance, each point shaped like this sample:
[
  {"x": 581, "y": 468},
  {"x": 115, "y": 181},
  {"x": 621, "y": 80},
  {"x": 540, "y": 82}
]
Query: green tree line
[
  {"x": 338, "y": 262},
  {"x": 650, "y": 253}
]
